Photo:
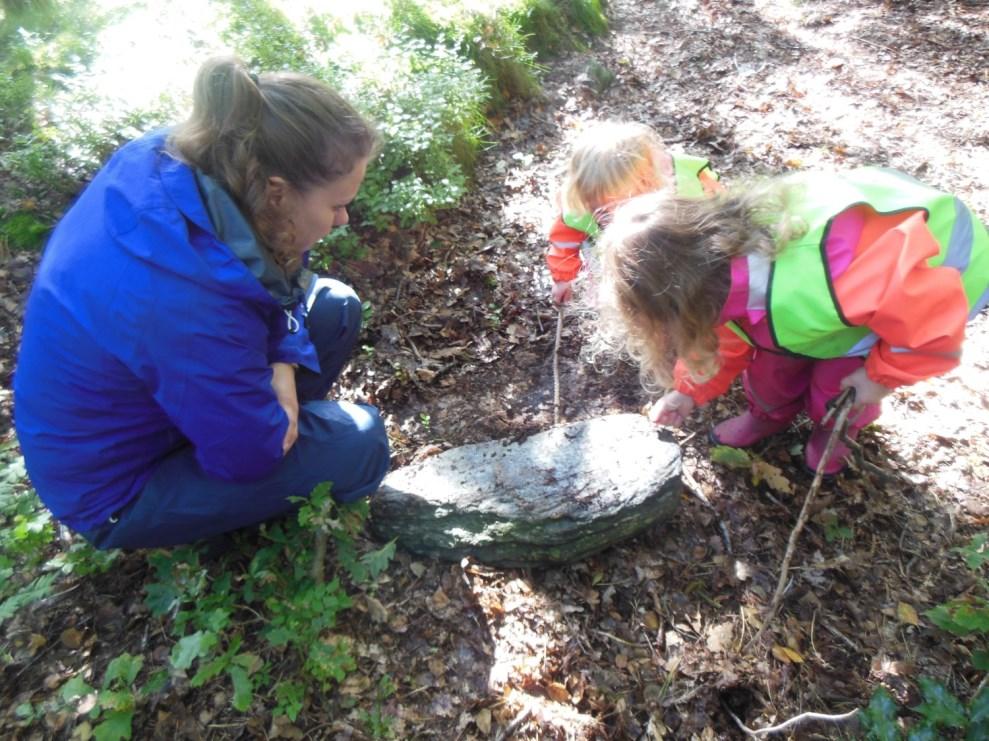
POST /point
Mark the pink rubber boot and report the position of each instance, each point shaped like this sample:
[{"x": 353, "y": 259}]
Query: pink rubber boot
[
  {"x": 746, "y": 429},
  {"x": 818, "y": 441}
]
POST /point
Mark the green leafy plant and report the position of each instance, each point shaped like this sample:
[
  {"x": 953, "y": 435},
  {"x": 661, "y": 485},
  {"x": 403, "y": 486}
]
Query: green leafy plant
[
  {"x": 377, "y": 722},
  {"x": 938, "y": 712},
  {"x": 833, "y": 529},
  {"x": 968, "y": 615},
  {"x": 941, "y": 710},
  {"x": 30, "y": 563},
  {"x": 115, "y": 700},
  {"x": 26, "y": 532},
  {"x": 299, "y": 611}
]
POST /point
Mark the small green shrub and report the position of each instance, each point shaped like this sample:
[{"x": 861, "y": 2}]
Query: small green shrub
[
  {"x": 587, "y": 15},
  {"x": 940, "y": 710},
  {"x": 26, "y": 532},
  {"x": 23, "y": 230},
  {"x": 298, "y": 612},
  {"x": 116, "y": 699},
  {"x": 428, "y": 103},
  {"x": 493, "y": 41},
  {"x": 267, "y": 40},
  {"x": 968, "y": 615},
  {"x": 30, "y": 564}
]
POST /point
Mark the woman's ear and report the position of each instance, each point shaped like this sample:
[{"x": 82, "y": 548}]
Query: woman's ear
[{"x": 276, "y": 191}]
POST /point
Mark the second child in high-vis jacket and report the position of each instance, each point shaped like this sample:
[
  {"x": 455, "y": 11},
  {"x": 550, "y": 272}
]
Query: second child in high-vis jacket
[
  {"x": 808, "y": 284},
  {"x": 610, "y": 163}
]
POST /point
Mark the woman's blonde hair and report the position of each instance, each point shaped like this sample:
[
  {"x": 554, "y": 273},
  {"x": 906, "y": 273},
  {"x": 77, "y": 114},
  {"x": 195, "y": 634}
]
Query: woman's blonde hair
[
  {"x": 611, "y": 159},
  {"x": 246, "y": 128},
  {"x": 667, "y": 271}
]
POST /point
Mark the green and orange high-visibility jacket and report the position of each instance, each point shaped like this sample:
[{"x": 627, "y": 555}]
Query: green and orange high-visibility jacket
[
  {"x": 887, "y": 269},
  {"x": 692, "y": 176}
]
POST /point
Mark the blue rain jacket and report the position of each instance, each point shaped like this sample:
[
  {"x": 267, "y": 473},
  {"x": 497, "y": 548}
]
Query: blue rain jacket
[{"x": 145, "y": 331}]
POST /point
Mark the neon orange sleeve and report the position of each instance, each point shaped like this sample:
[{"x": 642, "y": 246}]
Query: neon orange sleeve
[
  {"x": 918, "y": 312},
  {"x": 734, "y": 355},
  {"x": 710, "y": 183},
  {"x": 563, "y": 257}
]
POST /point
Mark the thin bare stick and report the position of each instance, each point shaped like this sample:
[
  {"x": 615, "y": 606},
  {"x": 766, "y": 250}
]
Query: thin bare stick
[
  {"x": 509, "y": 730},
  {"x": 841, "y": 408},
  {"x": 556, "y": 366},
  {"x": 691, "y": 485},
  {"x": 319, "y": 557},
  {"x": 795, "y": 721}
]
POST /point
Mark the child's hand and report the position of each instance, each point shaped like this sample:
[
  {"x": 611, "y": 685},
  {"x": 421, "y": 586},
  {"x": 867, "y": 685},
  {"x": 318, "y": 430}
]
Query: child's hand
[
  {"x": 867, "y": 391},
  {"x": 672, "y": 410},
  {"x": 562, "y": 291}
]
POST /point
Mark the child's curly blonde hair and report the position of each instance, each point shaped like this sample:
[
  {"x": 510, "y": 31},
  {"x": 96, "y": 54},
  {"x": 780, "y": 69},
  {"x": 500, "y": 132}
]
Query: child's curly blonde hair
[
  {"x": 667, "y": 272},
  {"x": 612, "y": 160}
]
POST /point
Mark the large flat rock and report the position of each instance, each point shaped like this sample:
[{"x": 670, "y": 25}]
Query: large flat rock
[{"x": 552, "y": 498}]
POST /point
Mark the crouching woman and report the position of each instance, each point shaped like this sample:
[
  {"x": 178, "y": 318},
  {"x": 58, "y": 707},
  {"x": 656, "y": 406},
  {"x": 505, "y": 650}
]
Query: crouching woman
[{"x": 176, "y": 355}]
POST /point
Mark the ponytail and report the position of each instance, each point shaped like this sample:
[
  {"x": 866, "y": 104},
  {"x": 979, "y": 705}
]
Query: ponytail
[{"x": 246, "y": 128}]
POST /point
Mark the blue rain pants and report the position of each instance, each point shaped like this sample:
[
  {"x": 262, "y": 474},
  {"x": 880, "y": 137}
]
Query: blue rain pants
[{"x": 339, "y": 442}]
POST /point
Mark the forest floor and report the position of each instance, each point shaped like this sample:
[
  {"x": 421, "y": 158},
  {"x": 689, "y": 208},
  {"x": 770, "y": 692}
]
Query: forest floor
[{"x": 648, "y": 638}]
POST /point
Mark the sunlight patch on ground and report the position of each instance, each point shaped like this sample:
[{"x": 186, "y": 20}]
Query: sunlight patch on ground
[{"x": 888, "y": 91}]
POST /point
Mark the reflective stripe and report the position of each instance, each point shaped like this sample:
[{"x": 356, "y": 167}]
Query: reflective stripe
[
  {"x": 953, "y": 355},
  {"x": 759, "y": 267},
  {"x": 982, "y": 302},
  {"x": 959, "y": 251},
  {"x": 568, "y": 245},
  {"x": 863, "y": 346}
]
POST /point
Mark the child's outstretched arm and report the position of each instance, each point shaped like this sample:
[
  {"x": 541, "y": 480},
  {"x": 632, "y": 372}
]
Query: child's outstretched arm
[
  {"x": 673, "y": 409},
  {"x": 563, "y": 258}
]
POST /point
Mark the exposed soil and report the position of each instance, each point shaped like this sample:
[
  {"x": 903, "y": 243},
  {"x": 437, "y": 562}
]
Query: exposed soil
[{"x": 647, "y": 639}]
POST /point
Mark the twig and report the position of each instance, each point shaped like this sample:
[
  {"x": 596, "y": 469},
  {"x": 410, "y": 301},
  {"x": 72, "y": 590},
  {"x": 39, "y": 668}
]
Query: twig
[
  {"x": 684, "y": 697},
  {"x": 796, "y": 720},
  {"x": 691, "y": 485},
  {"x": 887, "y": 477},
  {"x": 842, "y": 406},
  {"x": 615, "y": 638},
  {"x": 319, "y": 557},
  {"x": 841, "y": 636},
  {"x": 873, "y": 43},
  {"x": 982, "y": 684},
  {"x": 509, "y": 730},
  {"x": 556, "y": 366}
]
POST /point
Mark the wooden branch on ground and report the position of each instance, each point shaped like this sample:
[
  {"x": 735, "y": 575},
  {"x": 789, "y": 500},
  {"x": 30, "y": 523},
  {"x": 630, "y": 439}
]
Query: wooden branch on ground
[
  {"x": 556, "y": 366},
  {"x": 319, "y": 557},
  {"x": 840, "y": 410},
  {"x": 509, "y": 730},
  {"x": 691, "y": 485},
  {"x": 792, "y": 722}
]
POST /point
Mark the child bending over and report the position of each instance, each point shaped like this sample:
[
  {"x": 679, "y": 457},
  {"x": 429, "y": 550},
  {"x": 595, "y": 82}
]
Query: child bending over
[
  {"x": 612, "y": 162},
  {"x": 808, "y": 285}
]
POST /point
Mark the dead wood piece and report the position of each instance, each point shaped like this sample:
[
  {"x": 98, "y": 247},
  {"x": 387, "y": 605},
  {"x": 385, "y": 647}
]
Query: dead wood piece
[
  {"x": 793, "y": 722},
  {"x": 842, "y": 407},
  {"x": 556, "y": 366}
]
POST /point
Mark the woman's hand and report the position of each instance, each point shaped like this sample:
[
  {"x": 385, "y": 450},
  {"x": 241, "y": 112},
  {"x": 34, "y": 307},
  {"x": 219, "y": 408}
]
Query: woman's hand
[
  {"x": 672, "y": 410},
  {"x": 283, "y": 382},
  {"x": 867, "y": 391},
  {"x": 562, "y": 291}
]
